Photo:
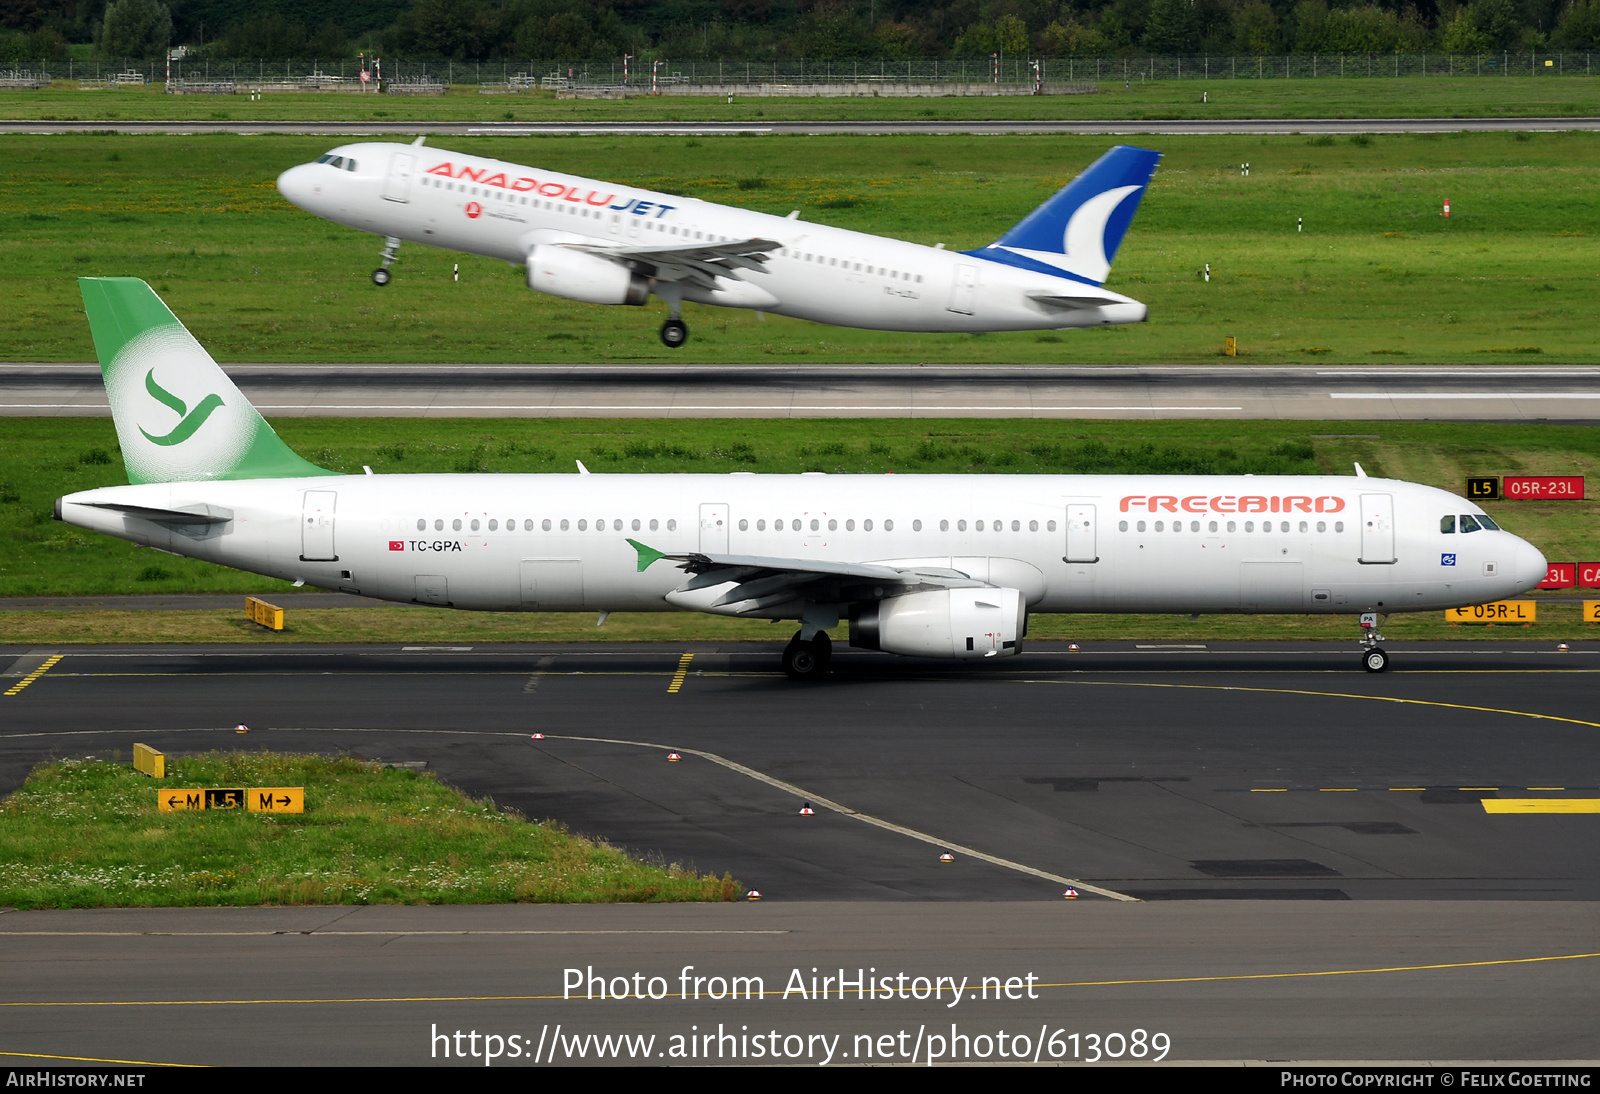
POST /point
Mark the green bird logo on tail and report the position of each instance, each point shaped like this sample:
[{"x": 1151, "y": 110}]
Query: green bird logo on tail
[{"x": 190, "y": 421}]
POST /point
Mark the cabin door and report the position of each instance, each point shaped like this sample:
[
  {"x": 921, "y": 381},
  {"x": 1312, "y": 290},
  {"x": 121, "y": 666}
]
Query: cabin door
[
  {"x": 397, "y": 187},
  {"x": 1377, "y": 529},
  {"x": 316, "y": 526}
]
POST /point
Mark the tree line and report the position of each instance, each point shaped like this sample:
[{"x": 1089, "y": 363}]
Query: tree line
[{"x": 472, "y": 30}]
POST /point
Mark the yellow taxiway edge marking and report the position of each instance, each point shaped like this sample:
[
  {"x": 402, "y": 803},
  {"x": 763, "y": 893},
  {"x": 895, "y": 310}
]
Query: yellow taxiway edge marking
[
  {"x": 1339, "y": 789},
  {"x": 1323, "y": 695},
  {"x": 678, "y": 677},
  {"x": 1541, "y": 805},
  {"x": 763, "y": 994},
  {"x": 1269, "y": 790},
  {"x": 1408, "y": 788},
  {"x": 97, "y": 1060},
  {"x": 35, "y": 674}
]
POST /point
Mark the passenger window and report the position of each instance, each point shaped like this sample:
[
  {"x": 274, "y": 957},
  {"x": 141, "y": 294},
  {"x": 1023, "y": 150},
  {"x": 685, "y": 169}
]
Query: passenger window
[
  {"x": 1283, "y": 526},
  {"x": 438, "y": 526},
  {"x": 944, "y": 526},
  {"x": 1122, "y": 526},
  {"x": 1304, "y": 527},
  {"x": 1467, "y": 523},
  {"x": 455, "y": 525},
  {"x": 833, "y": 526},
  {"x": 1249, "y": 526},
  {"x": 422, "y": 524},
  {"x": 977, "y": 525},
  {"x": 636, "y": 524},
  {"x": 1033, "y": 526},
  {"x": 1194, "y": 526},
  {"x": 1160, "y": 526},
  {"x": 850, "y": 525},
  {"x": 494, "y": 526},
  {"x": 961, "y": 526},
  {"x": 672, "y": 526},
  {"x": 474, "y": 524},
  {"x": 583, "y": 526},
  {"x": 1140, "y": 526},
  {"x": 1016, "y": 526},
  {"x": 1232, "y": 526},
  {"x": 744, "y": 525},
  {"x": 866, "y": 526},
  {"x": 544, "y": 525},
  {"x": 814, "y": 524},
  {"x": 653, "y": 524},
  {"x": 916, "y": 526},
  {"x": 564, "y": 524},
  {"x": 888, "y": 526},
  {"x": 1212, "y": 527},
  {"x": 1338, "y": 526},
  {"x": 1050, "y": 526},
  {"x": 1322, "y": 526},
  {"x": 761, "y": 526}
]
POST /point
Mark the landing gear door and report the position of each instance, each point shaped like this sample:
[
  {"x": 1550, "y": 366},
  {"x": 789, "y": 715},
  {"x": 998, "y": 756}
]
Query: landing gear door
[
  {"x": 397, "y": 187},
  {"x": 1081, "y": 534},
  {"x": 714, "y": 528},
  {"x": 964, "y": 290},
  {"x": 1377, "y": 529},
  {"x": 316, "y": 526}
]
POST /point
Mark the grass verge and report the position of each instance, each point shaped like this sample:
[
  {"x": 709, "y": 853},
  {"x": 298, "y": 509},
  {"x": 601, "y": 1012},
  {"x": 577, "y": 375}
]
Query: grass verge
[{"x": 87, "y": 833}]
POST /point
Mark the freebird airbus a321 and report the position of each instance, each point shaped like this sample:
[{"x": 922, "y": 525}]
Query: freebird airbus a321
[
  {"x": 604, "y": 243},
  {"x": 944, "y": 566}
]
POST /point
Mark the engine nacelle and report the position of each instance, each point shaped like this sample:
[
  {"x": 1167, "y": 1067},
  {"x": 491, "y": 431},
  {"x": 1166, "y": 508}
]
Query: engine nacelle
[
  {"x": 957, "y": 623},
  {"x": 579, "y": 275}
]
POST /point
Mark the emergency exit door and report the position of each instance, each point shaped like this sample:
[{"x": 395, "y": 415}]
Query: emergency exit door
[
  {"x": 397, "y": 187},
  {"x": 1081, "y": 545},
  {"x": 714, "y": 528},
  {"x": 964, "y": 290}
]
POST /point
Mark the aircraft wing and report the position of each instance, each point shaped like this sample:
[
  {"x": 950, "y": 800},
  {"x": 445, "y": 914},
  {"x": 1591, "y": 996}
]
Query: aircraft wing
[
  {"x": 759, "y": 582},
  {"x": 699, "y": 265}
]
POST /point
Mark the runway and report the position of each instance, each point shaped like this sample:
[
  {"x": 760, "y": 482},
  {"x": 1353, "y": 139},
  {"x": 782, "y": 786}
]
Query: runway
[
  {"x": 1086, "y": 127},
  {"x": 1313, "y": 870},
  {"x": 1450, "y": 393}
]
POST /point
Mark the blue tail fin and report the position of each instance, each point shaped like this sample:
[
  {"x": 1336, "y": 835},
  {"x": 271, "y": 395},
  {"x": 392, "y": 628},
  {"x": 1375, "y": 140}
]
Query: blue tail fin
[{"x": 1078, "y": 231}]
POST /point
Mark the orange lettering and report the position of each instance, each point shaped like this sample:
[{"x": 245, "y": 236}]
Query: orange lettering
[
  {"x": 1195, "y": 504},
  {"x": 1253, "y": 504}
]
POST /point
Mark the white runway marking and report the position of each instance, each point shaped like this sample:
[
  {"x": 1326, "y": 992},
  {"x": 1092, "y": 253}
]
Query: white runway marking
[{"x": 1464, "y": 394}]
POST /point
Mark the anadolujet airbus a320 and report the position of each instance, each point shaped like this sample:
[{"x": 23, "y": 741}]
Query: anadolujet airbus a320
[
  {"x": 605, "y": 243},
  {"x": 943, "y": 566}
]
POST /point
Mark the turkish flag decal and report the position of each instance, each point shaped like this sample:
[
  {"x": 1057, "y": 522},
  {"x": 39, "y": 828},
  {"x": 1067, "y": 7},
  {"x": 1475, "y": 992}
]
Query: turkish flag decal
[{"x": 397, "y": 545}]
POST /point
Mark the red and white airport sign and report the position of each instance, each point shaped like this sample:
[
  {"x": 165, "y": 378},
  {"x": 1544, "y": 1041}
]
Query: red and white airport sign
[
  {"x": 1543, "y": 488},
  {"x": 1589, "y": 575},
  {"x": 1562, "y": 575}
]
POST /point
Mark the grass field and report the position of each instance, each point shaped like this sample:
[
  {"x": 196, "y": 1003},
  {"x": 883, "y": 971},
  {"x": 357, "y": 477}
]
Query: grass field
[
  {"x": 1385, "y": 97},
  {"x": 43, "y": 458},
  {"x": 1375, "y": 276},
  {"x": 87, "y": 833}
]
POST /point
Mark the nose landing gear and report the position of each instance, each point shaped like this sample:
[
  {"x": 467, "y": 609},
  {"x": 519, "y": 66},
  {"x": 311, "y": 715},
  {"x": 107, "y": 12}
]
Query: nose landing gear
[
  {"x": 391, "y": 255},
  {"x": 1373, "y": 656}
]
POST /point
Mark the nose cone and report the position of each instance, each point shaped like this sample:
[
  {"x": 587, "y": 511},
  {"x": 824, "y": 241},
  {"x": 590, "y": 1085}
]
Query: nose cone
[
  {"x": 1529, "y": 566},
  {"x": 296, "y": 184}
]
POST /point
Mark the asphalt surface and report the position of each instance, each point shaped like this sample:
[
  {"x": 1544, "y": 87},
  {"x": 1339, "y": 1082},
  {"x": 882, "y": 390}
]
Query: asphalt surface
[
  {"x": 1315, "y": 873},
  {"x": 1481, "y": 393},
  {"x": 1108, "y": 127}
]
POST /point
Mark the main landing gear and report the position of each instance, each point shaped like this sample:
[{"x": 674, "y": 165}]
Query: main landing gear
[
  {"x": 807, "y": 660},
  {"x": 1373, "y": 656},
  {"x": 674, "y": 333},
  {"x": 391, "y": 255}
]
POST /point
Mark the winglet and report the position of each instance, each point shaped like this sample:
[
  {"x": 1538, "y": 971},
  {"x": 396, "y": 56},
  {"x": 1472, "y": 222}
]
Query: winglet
[{"x": 648, "y": 556}]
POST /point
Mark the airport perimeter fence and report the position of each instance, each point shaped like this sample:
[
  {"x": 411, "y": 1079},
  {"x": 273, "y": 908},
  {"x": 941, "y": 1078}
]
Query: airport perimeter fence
[{"x": 1053, "y": 74}]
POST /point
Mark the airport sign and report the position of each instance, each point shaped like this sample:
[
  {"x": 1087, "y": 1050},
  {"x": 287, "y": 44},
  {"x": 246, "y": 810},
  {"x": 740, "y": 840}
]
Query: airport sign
[
  {"x": 1589, "y": 575},
  {"x": 1500, "y": 611},
  {"x": 1561, "y": 575},
  {"x": 1544, "y": 487},
  {"x": 1484, "y": 489},
  {"x": 256, "y": 799},
  {"x": 1591, "y": 611}
]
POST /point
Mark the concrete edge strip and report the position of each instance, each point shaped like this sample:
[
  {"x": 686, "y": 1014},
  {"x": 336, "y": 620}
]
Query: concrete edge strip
[{"x": 790, "y": 788}]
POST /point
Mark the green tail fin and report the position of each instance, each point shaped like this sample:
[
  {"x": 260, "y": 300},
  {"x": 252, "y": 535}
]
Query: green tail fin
[{"x": 178, "y": 416}]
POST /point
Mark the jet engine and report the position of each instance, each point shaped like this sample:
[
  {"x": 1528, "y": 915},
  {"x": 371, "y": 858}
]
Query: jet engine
[
  {"x": 957, "y": 623},
  {"x": 579, "y": 275}
]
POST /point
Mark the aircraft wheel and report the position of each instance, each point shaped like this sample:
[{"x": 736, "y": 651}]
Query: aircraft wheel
[
  {"x": 380, "y": 277},
  {"x": 1375, "y": 660},
  {"x": 801, "y": 660},
  {"x": 674, "y": 333}
]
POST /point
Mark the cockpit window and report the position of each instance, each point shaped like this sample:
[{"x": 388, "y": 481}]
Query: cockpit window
[
  {"x": 349, "y": 165},
  {"x": 337, "y": 161},
  {"x": 1483, "y": 519},
  {"x": 325, "y": 159},
  {"x": 1447, "y": 525},
  {"x": 1468, "y": 523}
]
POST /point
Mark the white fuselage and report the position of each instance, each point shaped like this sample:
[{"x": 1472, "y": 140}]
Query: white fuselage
[
  {"x": 1069, "y": 543},
  {"x": 828, "y": 275}
]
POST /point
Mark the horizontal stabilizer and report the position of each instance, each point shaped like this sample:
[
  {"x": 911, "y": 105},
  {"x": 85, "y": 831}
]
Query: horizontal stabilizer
[{"x": 200, "y": 513}]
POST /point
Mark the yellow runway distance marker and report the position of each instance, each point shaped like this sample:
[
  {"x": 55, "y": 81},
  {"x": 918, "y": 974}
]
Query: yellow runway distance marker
[
  {"x": 35, "y": 674},
  {"x": 1541, "y": 805}
]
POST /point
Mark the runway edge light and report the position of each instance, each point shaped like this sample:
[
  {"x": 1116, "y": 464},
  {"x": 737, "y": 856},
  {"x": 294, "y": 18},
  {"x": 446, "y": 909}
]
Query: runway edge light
[
  {"x": 1070, "y": 894},
  {"x": 947, "y": 857},
  {"x": 753, "y": 894},
  {"x": 673, "y": 757},
  {"x": 806, "y": 810}
]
